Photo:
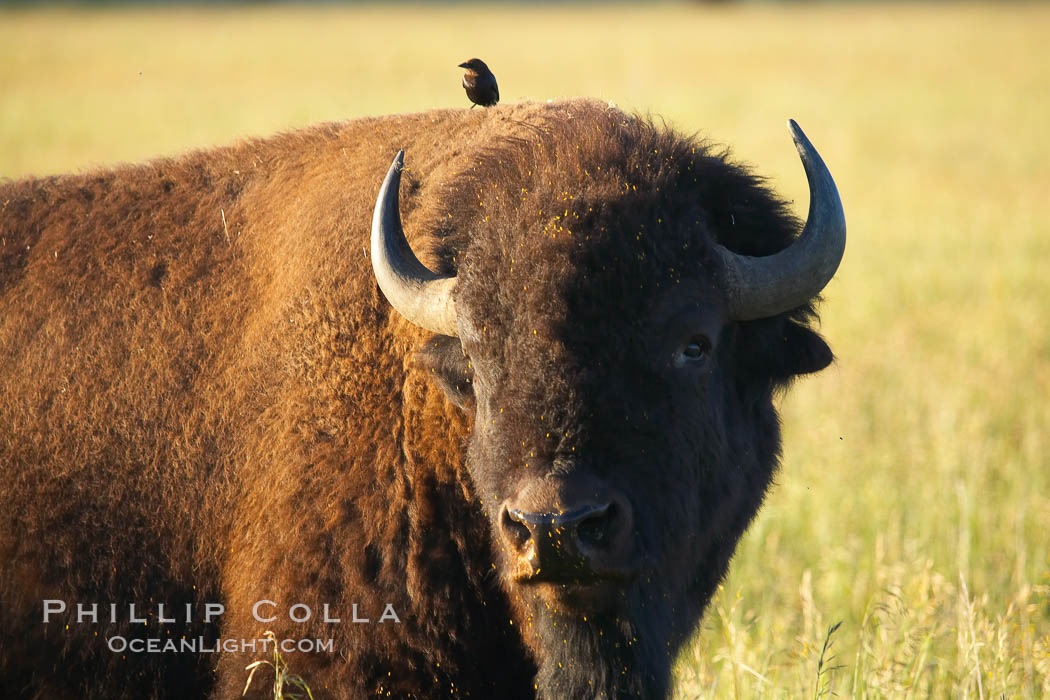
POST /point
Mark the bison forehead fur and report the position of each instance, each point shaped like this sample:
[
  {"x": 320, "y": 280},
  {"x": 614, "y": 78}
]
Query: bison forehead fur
[{"x": 208, "y": 400}]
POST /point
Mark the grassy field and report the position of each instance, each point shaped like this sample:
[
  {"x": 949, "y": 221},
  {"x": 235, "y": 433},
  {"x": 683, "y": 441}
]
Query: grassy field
[{"x": 914, "y": 503}]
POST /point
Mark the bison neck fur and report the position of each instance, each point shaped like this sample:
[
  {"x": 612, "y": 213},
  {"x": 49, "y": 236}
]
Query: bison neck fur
[{"x": 206, "y": 399}]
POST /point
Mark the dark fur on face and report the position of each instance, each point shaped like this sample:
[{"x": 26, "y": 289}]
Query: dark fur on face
[{"x": 585, "y": 264}]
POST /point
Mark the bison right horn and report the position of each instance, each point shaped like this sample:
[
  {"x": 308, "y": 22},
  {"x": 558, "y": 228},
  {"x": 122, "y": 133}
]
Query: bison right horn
[
  {"x": 420, "y": 295},
  {"x": 766, "y": 286}
]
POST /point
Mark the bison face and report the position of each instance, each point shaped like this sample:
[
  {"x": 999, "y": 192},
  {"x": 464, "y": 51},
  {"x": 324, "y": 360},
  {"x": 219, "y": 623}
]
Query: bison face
[
  {"x": 598, "y": 457},
  {"x": 620, "y": 379}
]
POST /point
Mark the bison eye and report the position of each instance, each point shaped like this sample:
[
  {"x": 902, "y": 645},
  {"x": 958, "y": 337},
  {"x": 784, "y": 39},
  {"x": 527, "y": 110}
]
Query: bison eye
[{"x": 694, "y": 352}]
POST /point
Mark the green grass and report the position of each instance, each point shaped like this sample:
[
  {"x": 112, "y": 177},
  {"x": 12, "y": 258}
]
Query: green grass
[
  {"x": 914, "y": 503},
  {"x": 286, "y": 685}
]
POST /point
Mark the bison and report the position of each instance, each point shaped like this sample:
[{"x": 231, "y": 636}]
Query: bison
[{"x": 230, "y": 406}]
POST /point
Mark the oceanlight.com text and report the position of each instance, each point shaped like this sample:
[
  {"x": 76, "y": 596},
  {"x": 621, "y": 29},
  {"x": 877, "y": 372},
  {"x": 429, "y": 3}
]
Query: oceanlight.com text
[{"x": 200, "y": 645}]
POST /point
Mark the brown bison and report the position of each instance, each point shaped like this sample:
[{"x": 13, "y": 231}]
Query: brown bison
[{"x": 522, "y": 476}]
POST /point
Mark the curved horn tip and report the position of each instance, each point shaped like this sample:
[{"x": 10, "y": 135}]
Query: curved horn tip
[
  {"x": 768, "y": 285},
  {"x": 802, "y": 142},
  {"x": 399, "y": 162},
  {"x": 416, "y": 292},
  {"x": 393, "y": 173}
]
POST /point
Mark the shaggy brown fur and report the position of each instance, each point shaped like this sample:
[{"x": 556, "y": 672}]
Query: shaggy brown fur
[{"x": 206, "y": 399}]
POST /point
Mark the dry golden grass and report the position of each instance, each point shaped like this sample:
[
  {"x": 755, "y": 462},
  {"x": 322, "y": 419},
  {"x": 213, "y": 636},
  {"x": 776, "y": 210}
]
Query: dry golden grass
[{"x": 914, "y": 504}]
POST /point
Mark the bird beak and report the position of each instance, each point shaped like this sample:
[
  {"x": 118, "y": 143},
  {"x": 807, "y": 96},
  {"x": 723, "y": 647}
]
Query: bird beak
[{"x": 463, "y": 65}]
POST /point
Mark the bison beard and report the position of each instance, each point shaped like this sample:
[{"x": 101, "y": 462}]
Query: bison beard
[
  {"x": 211, "y": 396},
  {"x": 603, "y": 656}
]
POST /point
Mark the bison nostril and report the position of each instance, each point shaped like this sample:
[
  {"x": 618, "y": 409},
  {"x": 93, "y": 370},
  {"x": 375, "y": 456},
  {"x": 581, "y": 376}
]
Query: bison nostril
[
  {"x": 514, "y": 531},
  {"x": 594, "y": 530}
]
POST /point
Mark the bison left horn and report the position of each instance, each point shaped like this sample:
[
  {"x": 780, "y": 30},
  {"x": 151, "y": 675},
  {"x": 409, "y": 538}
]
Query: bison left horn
[
  {"x": 420, "y": 295},
  {"x": 766, "y": 286}
]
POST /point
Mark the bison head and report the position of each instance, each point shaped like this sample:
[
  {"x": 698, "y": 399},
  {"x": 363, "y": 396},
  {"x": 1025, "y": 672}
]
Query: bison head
[{"x": 618, "y": 306}]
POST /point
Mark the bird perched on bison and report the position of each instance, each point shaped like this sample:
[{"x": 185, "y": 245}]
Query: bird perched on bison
[{"x": 480, "y": 83}]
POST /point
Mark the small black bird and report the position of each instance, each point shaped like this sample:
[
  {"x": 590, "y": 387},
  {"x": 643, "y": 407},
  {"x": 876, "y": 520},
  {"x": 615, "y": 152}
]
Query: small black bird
[{"x": 480, "y": 83}]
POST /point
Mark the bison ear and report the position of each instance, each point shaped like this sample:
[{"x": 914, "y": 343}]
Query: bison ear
[
  {"x": 807, "y": 352},
  {"x": 443, "y": 357},
  {"x": 783, "y": 351}
]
